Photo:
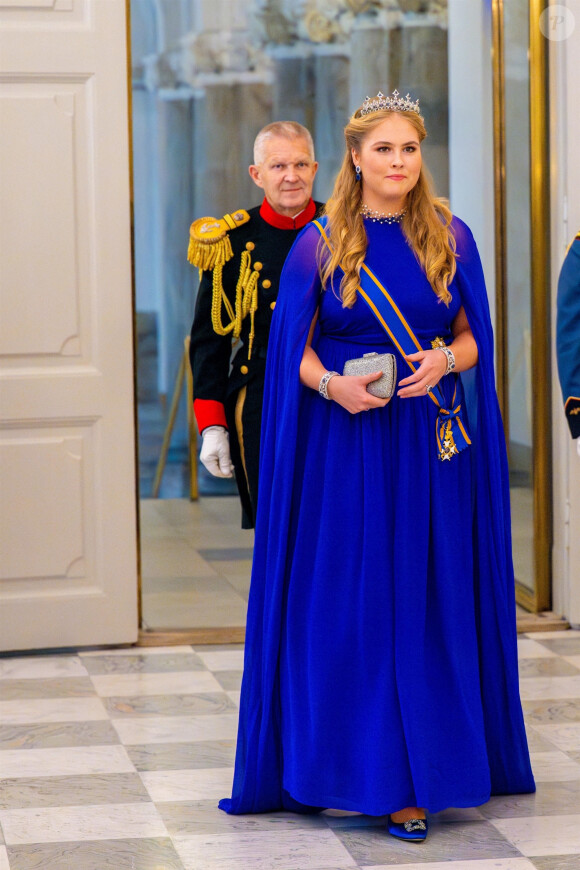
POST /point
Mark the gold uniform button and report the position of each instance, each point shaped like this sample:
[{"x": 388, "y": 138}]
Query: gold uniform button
[
  {"x": 250, "y": 246},
  {"x": 258, "y": 266},
  {"x": 272, "y": 305},
  {"x": 266, "y": 283},
  {"x": 244, "y": 370}
]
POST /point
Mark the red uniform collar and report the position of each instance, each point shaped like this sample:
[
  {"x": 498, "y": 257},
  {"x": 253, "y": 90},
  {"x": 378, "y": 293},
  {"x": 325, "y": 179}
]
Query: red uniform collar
[{"x": 281, "y": 222}]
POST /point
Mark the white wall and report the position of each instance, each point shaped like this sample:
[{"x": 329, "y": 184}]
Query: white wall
[{"x": 471, "y": 127}]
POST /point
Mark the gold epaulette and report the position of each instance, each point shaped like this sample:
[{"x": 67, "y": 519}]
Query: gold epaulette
[{"x": 209, "y": 242}]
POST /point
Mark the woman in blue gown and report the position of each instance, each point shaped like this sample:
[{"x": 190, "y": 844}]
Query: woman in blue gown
[{"x": 380, "y": 669}]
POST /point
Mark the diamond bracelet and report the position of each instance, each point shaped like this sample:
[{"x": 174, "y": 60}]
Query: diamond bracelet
[
  {"x": 323, "y": 385},
  {"x": 450, "y": 358}
]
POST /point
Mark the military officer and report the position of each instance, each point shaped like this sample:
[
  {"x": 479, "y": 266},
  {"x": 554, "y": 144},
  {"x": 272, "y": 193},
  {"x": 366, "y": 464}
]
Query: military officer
[
  {"x": 568, "y": 335},
  {"x": 240, "y": 258}
]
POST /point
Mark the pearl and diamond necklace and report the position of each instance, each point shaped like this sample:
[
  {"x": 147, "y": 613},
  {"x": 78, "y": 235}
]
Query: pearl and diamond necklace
[{"x": 382, "y": 217}]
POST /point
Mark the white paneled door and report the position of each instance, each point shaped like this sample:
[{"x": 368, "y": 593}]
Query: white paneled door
[{"x": 68, "y": 550}]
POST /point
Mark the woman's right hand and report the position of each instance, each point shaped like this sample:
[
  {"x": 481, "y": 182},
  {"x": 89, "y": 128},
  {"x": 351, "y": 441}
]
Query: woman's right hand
[{"x": 350, "y": 391}]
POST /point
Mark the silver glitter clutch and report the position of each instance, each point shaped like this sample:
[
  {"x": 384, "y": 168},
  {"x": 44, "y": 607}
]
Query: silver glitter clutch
[{"x": 383, "y": 387}]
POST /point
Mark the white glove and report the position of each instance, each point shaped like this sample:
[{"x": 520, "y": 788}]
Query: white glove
[{"x": 215, "y": 451}]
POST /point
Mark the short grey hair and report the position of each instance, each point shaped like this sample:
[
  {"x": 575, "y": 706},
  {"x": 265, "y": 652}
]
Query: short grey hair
[{"x": 285, "y": 129}]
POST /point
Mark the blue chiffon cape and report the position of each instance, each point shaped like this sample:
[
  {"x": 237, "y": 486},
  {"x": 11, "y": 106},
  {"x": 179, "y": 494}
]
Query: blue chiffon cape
[{"x": 260, "y": 784}]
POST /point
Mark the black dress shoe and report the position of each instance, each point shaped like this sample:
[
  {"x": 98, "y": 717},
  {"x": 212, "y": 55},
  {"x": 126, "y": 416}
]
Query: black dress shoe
[{"x": 414, "y": 829}]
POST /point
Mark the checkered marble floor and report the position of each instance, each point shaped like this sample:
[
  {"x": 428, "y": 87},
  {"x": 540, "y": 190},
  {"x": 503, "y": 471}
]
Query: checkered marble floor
[{"x": 116, "y": 759}]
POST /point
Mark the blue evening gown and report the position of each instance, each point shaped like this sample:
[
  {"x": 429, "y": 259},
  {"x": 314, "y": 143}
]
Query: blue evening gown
[{"x": 381, "y": 666}]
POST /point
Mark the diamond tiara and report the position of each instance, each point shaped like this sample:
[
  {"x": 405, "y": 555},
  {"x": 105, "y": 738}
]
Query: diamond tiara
[{"x": 394, "y": 102}]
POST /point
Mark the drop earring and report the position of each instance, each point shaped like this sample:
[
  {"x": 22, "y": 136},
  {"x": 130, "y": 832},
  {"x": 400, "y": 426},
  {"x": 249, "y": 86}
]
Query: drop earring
[{"x": 358, "y": 175}]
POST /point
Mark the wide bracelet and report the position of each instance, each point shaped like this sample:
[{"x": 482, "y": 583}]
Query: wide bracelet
[
  {"x": 450, "y": 358},
  {"x": 323, "y": 385}
]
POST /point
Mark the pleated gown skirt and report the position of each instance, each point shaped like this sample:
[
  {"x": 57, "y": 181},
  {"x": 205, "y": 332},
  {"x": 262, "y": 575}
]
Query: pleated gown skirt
[{"x": 379, "y": 673}]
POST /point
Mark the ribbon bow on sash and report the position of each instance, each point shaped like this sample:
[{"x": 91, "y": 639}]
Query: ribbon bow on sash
[{"x": 450, "y": 430}]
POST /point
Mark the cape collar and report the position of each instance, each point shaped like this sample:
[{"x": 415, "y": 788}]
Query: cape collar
[{"x": 281, "y": 222}]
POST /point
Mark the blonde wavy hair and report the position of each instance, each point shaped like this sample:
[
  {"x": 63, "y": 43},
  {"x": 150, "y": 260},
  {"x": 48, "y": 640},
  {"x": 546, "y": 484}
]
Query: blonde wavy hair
[{"x": 426, "y": 223}]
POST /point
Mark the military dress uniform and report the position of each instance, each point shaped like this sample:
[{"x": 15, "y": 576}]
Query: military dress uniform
[
  {"x": 240, "y": 258},
  {"x": 568, "y": 335}
]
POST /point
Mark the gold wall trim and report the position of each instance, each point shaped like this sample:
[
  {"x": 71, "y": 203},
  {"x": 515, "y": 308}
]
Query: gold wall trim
[
  {"x": 541, "y": 285},
  {"x": 500, "y": 326},
  {"x": 540, "y": 599}
]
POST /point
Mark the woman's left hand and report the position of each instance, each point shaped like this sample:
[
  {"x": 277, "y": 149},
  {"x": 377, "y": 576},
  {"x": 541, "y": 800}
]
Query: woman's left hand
[{"x": 432, "y": 367}]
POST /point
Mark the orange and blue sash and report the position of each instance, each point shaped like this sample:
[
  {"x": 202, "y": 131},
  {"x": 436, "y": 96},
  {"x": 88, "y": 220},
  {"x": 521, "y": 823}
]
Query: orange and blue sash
[{"x": 452, "y": 436}]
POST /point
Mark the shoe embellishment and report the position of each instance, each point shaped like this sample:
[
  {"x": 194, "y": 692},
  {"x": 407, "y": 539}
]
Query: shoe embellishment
[{"x": 415, "y": 825}]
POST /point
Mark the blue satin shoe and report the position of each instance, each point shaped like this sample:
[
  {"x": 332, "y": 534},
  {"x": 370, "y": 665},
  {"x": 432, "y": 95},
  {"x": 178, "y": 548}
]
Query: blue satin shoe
[{"x": 414, "y": 829}]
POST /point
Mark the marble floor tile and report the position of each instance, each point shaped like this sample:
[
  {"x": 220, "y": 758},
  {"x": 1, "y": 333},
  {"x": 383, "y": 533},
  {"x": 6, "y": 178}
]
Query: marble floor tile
[
  {"x": 61, "y": 824},
  {"x": 459, "y": 841},
  {"x": 264, "y": 850},
  {"x": 204, "y": 817},
  {"x": 56, "y": 791},
  {"x": 67, "y": 687},
  {"x": 240, "y": 583},
  {"x": 240, "y": 571},
  {"x": 177, "y": 729},
  {"x": 218, "y": 647},
  {"x": 183, "y": 756},
  {"x": 206, "y": 704},
  {"x": 537, "y": 835},
  {"x": 213, "y": 534},
  {"x": 223, "y": 660},
  {"x": 145, "y": 664},
  {"x": 457, "y": 814},
  {"x": 46, "y": 736},
  {"x": 550, "y": 688},
  {"x": 235, "y": 698},
  {"x": 537, "y": 742},
  {"x": 566, "y": 736},
  {"x": 70, "y": 761},
  {"x": 173, "y": 683},
  {"x": 121, "y": 854},
  {"x": 41, "y": 667},
  {"x": 188, "y": 785},
  {"x": 173, "y": 557},
  {"x": 554, "y": 767},
  {"x": 567, "y": 644},
  {"x": 192, "y": 610},
  {"x": 52, "y": 710},
  {"x": 574, "y": 660},
  {"x": 346, "y": 819},
  {"x": 485, "y": 864},
  {"x": 4, "y": 865},
  {"x": 550, "y": 799},
  {"x": 531, "y": 649},
  {"x": 556, "y": 633},
  {"x": 231, "y": 681},
  {"x": 567, "y": 710},
  {"x": 227, "y": 554},
  {"x": 557, "y": 862},
  {"x": 60, "y": 755},
  {"x": 547, "y": 667},
  {"x": 182, "y": 588},
  {"x": 226, "y": 510}
]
